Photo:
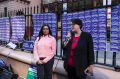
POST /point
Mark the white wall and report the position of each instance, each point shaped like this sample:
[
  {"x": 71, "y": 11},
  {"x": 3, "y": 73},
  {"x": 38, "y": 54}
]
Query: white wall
[
  {"x": 35, "y": 2},
  {"x": 11, "y": 5},
  {"x": 14, "y": 5}
]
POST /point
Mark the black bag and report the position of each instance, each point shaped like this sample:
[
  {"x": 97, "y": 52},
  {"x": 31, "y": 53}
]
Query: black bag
[{"x": 6, "y": 72}]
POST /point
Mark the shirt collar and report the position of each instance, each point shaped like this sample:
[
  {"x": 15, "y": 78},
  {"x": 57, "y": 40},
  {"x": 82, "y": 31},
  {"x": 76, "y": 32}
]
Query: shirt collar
[{"x": 46, "y": 36}]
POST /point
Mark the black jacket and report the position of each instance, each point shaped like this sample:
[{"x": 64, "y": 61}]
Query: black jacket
[{"x": 84, "y": 53}]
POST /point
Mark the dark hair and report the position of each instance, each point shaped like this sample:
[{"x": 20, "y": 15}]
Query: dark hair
[
  {"x": 78, "y": 22},
  {"x": 41, "y": 31}
]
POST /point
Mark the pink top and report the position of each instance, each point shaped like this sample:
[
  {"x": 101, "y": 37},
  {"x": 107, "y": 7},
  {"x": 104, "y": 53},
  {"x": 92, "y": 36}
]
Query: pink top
[{"x": 45, "y": 47}]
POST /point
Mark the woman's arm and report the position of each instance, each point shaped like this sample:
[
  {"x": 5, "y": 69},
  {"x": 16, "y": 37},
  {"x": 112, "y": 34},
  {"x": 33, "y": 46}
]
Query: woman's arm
[
  {"x": 66, "y": 45},
  {"x": 90, "y": 51},
  {"x": 90, "y": 54},
  {"x": 35, "y": 53}
]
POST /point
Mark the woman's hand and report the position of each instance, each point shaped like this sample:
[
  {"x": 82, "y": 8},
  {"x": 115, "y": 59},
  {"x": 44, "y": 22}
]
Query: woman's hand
[
  {"x": 90, "y": 69},
  {"x": 39, "y": 62},
  {"x": 43, "y": 62},
  {"x": 68, "y": 37}
]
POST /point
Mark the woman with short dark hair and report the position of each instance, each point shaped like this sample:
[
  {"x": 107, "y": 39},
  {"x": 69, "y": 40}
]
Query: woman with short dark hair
[{"x": 78, "y": 52}]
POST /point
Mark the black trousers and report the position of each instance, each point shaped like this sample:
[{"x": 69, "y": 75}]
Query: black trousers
[
  {"x": 44, "y": 71},
  {"x": 71, "y": 71}
]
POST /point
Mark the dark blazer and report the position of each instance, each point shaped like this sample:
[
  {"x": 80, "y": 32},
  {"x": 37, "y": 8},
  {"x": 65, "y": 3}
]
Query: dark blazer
[{"x": 84, "y": 53}]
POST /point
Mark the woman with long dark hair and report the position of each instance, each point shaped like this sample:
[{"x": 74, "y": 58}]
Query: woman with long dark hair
[{"x": 44, "y": 51}]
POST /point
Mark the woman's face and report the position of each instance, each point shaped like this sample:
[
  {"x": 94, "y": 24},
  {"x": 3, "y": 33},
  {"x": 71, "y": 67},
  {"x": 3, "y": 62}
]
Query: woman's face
[
  {"x": 75, "y": 28},
  {"x": 45, "y": 30}
]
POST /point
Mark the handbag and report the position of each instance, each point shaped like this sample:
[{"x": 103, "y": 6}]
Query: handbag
[
  {"x": 32, "y": 72},
  {"x": 89, "y": 75}
]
